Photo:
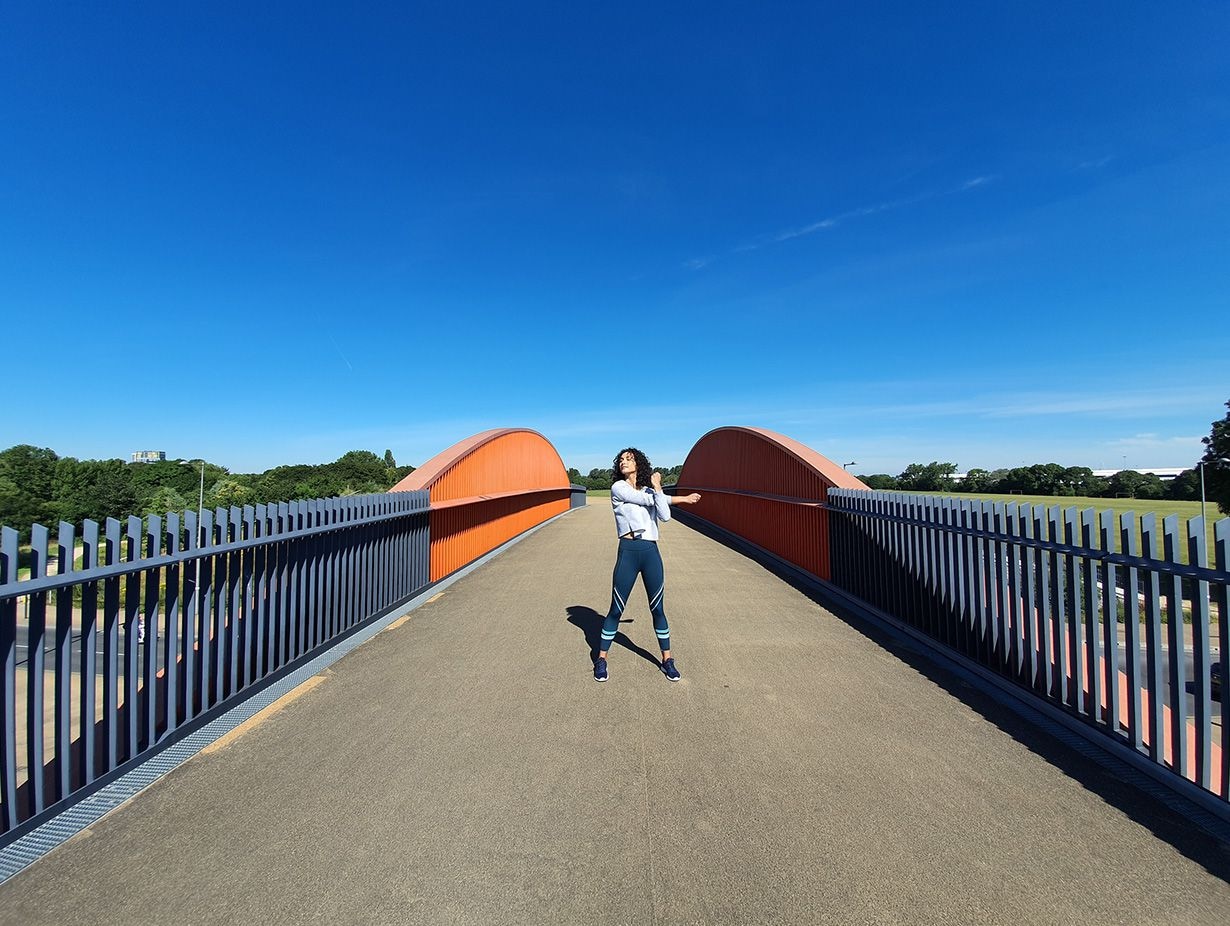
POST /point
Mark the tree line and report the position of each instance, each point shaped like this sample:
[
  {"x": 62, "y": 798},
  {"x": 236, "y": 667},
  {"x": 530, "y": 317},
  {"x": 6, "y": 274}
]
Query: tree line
[
  {"x": 37, "y": 486},
  {"x": 1038, "y": 479},
  {"x": 603, "y": 478}
]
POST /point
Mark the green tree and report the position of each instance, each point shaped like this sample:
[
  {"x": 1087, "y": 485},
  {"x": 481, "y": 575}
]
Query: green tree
[
  {"x": 389, "y": 462},
  {"x": 929, "y": 477},
  {"x": 976, "y": 480},
  {"x": 1080, "y": 480},
  {"x": 1216, "y": 472},
  {"x": 164, "y": 499},
  {"x": 882, "y": 481},
  {"x": 26, "y": 477},
  {"x": 1185, "y": 486},
  {"x": 1130, "y": 484},
  {"x": 226, "y": 493},
  {"x": 93, "y": 489}
]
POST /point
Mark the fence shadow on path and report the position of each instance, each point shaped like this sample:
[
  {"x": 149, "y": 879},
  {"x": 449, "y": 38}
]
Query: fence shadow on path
[
  {"x": 1110, "y": 779},
  {"x": 590, "y": 621}
]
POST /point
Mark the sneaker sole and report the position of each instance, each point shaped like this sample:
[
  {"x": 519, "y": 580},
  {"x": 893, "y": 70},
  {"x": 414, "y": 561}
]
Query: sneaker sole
[{"x": 596, "y": 679}]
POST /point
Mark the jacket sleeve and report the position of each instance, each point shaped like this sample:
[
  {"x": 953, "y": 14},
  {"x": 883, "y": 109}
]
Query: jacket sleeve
[
  {"x": 622, "y": 492},
  {"x": 662, "y": 503}
]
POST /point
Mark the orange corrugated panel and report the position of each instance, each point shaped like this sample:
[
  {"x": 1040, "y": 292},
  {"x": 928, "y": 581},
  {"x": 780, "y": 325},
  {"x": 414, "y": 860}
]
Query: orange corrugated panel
[
  {"x": 500, "y": 483},
  {"x": 755, "y": 460}
]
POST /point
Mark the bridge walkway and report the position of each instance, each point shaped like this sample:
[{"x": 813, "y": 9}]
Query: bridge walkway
[{"x": 463, "y": 767}]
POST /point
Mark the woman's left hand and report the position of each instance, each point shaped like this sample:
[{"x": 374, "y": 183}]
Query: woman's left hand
[{"x": 687, "y": 499}]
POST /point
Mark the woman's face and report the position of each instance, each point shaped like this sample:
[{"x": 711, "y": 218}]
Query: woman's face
[{"x": 627, "y": 464}]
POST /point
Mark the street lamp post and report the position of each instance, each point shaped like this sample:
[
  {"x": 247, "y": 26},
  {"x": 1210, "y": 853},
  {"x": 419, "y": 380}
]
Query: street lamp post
[
  {"x": 1201, "y": 465},
  {"x": 851, "y": 463}
]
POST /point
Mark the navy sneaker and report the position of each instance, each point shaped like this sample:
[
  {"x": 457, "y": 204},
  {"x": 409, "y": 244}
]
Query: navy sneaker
[
  {"x": 669, "y": 670},
  {"x": 600, "y": 670}
]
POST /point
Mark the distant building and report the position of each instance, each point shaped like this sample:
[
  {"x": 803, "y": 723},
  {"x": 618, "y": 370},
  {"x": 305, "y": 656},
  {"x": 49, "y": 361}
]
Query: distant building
[{"x": 149, "y": 456}]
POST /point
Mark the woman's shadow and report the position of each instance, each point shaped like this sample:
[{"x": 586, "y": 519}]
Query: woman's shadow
[{"x": 590, "y": 622}]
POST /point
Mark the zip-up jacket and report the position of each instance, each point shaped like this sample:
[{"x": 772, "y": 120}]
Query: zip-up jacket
[{"x": 638, "y": 512}]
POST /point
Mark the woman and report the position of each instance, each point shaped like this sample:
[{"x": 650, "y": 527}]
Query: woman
[{"x": 639, "y": 504}]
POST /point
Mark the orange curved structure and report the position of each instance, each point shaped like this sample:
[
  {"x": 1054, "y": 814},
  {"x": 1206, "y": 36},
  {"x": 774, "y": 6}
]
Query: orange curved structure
[
  {"x": 767, "y": 488},
  {"x": 487, "y": 489}
]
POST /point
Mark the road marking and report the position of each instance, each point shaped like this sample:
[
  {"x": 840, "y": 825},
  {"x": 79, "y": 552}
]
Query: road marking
[{"x": 262, "y": 715}]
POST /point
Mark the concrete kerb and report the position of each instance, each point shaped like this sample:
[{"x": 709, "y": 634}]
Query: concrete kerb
[{"x": 126, "y": 782}]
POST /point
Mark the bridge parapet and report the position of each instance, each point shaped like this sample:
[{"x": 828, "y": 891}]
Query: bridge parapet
[
  {"x": 768, "y": 489},
  {"x": 487, "y": 489}
]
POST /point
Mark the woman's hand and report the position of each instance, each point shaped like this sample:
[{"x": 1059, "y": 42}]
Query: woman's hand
[
  {"x": 656, "y": 480},
  {"x": 687, "y": 499}
]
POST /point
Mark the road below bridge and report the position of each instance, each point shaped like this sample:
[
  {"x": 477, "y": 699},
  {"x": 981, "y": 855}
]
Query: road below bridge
[{"x": 463, "y": 767}]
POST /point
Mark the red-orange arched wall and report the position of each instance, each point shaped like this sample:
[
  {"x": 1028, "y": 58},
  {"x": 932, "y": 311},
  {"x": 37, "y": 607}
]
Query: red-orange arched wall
[
  {"x": 768, "y": 489},
  {"x": 487, "y": 489}
]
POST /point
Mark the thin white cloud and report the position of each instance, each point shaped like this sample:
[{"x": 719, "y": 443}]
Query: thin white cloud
[{"x": 834, "y": 221}]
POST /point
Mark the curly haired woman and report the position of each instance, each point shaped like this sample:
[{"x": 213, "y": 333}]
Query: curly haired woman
[{"x": 639, "y": 504}]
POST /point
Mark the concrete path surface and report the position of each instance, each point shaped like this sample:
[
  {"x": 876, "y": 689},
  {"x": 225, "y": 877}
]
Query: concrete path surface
[{"x": 464, "y": 767}]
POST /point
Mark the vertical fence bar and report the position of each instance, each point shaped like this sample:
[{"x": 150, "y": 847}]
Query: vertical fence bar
[
  {"x": 1221, "y": 597},
  {"x": 89, "y": 649},
  {"x": 1176, "y": 650},
  {"x": 205, "y": 595},
  {"x": 263, "y": 644},
  {"x": 113, "y": 553},
  {"x": 935, "y": 582},
  {"x": 66, "y": 549},
  {"x": 1016, "y": 567},
  {"x": 234, "y": 601},
  {"x": 1131, "y": 628},
  {"x": 1043, "y": 592},
  {"x": 150, "y": 619},
  {"x": 221, "y": 653},
  {"x": 36, "y": 630},
  {"x": 1111, "y": 630},
  {"x": 171, "y": 635},
  {"x": 8, "y": 681},
  {"x": 132, "y": 617},
  {"x": 251, "y": 622},
  {"x": 1074, "y": 666},
  {"x": 287, "y": 596},
  {"x": 999, "y": 579},
  {"x": 1093, "y": 639},
  {"x": 1030, "y": 558},
  {"x": 1198, "y": 556},
  {"x": 1154, "y": 679},
  {"x": 192, "y": 571}
]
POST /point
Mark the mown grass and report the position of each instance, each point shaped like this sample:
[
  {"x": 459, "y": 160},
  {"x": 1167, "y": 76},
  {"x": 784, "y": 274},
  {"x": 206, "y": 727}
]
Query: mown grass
[{"x": 1162, "y": 508}]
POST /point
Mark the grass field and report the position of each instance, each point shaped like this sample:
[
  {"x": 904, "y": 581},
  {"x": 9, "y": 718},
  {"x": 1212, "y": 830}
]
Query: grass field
[{"x": 1162, "y": 508}]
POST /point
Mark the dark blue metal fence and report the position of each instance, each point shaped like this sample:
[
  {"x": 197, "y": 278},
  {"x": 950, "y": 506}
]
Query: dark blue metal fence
[
  {"x": 136, "y": 633},
  {"x": 1126, "y": 640}
]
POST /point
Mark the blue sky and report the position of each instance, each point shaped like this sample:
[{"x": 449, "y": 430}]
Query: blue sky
[{"x": 990, "y": 234}]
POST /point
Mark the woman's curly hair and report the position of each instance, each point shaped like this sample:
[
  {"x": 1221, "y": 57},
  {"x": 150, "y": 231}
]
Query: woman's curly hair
[{"x": 643, "y": 469}]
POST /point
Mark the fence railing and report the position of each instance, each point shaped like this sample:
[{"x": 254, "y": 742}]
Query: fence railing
[
  {"x": 1063, "y": 603},
  {"x": 124, "y": 635}
]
